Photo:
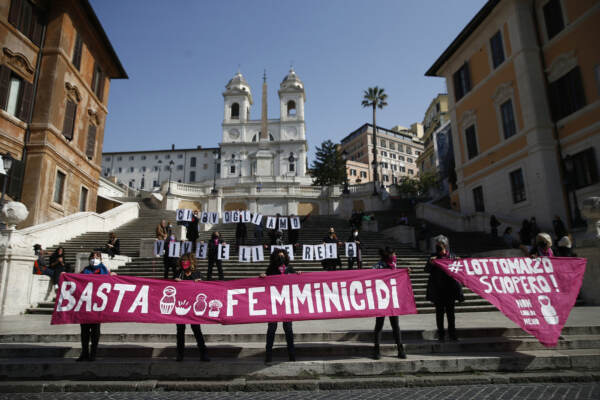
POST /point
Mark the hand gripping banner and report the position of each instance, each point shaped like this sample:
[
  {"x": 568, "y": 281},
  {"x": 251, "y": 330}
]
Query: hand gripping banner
[
  {"x": 535, "y": 293},
  {"x": 293, "y": 297}
]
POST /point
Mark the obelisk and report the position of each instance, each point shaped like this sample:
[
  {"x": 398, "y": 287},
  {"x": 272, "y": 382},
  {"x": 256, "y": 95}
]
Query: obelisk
[
  {"x": 264, "y": 128},
  {"x": 264, "y": 157}
]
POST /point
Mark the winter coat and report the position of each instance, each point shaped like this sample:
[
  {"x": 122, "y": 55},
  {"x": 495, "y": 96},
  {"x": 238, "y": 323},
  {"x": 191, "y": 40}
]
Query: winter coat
[{"x": 441, "y": 287}]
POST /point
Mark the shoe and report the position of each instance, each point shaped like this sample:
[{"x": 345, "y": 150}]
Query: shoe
[
  {"x": 401, "y": 352},
  {"x": 204, "y": 356},
  {"x": 454, "y": 338},
  {"x": 83, "y": 357},
  {"x": 268, "y": 358},
  {"x": 292, "y": 357},
  {"x": 179, "y": 357},
  {"x": 376, "y": 355}
]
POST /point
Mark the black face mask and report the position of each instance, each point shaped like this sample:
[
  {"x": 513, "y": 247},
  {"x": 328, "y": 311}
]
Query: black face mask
[
  {"x": 281, "y": 260},
  {"x": 438, "y": 249}
]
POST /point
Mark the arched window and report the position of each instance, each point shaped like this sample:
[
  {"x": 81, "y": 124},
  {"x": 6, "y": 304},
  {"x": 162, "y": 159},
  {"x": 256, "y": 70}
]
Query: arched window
[
  {"x": 291, "y": 108},
  {"x": 254, "y": 138},
  {"x": 235, "y": 111}
]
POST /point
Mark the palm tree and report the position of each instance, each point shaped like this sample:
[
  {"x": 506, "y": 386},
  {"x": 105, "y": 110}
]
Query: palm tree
[{"x": 374, "y": 97}]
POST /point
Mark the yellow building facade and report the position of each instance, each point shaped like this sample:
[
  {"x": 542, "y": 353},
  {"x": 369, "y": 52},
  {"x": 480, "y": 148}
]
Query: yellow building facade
[{"x": 523, "y": 81}]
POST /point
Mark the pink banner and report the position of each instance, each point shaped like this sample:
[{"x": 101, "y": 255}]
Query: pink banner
[
  {"x": 316, "y": 295},
  {"x": 537, "y": 294}
]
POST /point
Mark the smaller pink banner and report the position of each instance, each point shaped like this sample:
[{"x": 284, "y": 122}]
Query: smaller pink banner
[
  {"x": 535, "y": 293},
  {"x": 293, "y": 297}
]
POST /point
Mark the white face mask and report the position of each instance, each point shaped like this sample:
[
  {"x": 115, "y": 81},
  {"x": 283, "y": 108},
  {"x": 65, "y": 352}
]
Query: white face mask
[
  {"x": 355, "y": 233},
  {"x": 95, "y": 262}
]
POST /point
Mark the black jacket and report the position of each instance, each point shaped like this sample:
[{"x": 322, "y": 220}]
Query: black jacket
[
  {"x": 192, "y": 229},
  {"x": 441, "y": 287},
  {"x": 274, "y": 270},
  {"x": 213, "y": 248}
]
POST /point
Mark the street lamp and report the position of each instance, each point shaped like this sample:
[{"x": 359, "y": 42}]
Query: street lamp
[
  {"x": 345, "y": 158},
  {"x": 171, "y": 163},
  {"x": 216, "y": 156},
  {"x": 570, "y": 182},
  {"x": 7, "y": 161}
]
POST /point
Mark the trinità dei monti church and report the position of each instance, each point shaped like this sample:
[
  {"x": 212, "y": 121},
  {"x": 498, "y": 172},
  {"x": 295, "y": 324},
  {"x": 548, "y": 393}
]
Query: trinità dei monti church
[{"x": 260, "y": 165}]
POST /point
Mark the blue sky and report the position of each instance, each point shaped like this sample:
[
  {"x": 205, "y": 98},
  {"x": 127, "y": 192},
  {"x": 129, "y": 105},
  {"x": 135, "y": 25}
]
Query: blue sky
[{"x": 179, "y": 55}]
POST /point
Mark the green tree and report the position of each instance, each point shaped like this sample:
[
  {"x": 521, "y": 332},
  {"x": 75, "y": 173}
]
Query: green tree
[
  {"x": 427, "y": 181},
  {"x": 374, "y": 97},
  {"x": 328, "y": 168}
]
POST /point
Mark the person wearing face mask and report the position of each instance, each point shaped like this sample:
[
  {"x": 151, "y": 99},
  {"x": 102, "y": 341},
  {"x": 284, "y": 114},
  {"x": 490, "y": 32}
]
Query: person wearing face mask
[
  {"x": 279, "y": 264},
  {"x": 191, "y": 232},
  {"x": 169, "y": 263},
  {"x": 543, "y": 246},
  {"x": 213, "y": 251},
  {"x": 57, "y": 265},
  {"x": 442, "y": 290},
  {"x": 188, "y": 272},
  {"x": 330, "y": 264},
  {"x": 161, "y": 230},
  {"x": 92, "y": 331},
  {"x": 387, "y": 260},
  {"x": 356, "y": 239}
]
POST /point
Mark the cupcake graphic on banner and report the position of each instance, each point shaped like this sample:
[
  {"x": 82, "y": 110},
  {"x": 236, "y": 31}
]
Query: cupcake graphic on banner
[{"x": 167, "y": 303}]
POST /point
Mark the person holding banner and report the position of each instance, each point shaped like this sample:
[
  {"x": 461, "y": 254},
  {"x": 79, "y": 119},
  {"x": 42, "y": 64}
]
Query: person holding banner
[
  {"x": 92, "y": 331},
  {"x": 169, "y": 263},
  {"x": 240, "y": 234},
  {"x": 213, "y": 256},
  {"x": 387, "y": 260},
  {"x": 442, "y": 290},
  {"x": 543, "y": 246},
  {"x": 354, "y": 238},
  {"x": 188, "y": 272},
  {"x": 279, "y": 264}
]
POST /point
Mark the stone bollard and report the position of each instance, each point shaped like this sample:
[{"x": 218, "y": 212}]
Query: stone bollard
[
  {"x": 588, "y": 246},
  {"x": 16, "y": 261}
]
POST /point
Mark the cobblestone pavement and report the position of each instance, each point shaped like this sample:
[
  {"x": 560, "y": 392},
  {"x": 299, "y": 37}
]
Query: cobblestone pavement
[{"x": 546, "y": 391}]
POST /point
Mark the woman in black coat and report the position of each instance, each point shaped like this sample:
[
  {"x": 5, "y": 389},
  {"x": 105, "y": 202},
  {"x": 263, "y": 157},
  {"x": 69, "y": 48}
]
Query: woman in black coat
[
  {"x": 443, "y": 290},
  {"x": 57, "y": 265},
  {"x": 191, "y": 232},
  {"x": 279, "y": 264},
  {"x": 213, "y": 253}
]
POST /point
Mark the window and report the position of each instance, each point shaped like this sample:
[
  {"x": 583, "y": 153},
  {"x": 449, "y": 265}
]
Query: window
[
  {"x": 205, "y": 166},
  {"x": 478, "y": 199},
  {"x": 192, "y": 176},
  {"x": 508, "y": 119},
  {"x": 26, "y": 18},
  {"x": 131, "y": 158},
  {"x": 16, "y": 94},
  {"x": 90, "y": 146},
  {"x": 401, "y": 158},
  {"x": 143, "y": 157},
  {"x": 83, "y": 199},
  {"x": 363, "y": 174},
  {"x": 392, "y": 146},
  {"x": 69, "y": 122},
  {"x": 292, "y": 167},
  {"x": 402, "y": 169},
  {"x": 143, "y": 169},
  {"x": 553, "y": 18},
  {"x": 409, "y": 160},
  {"x": 235, "y": 111},
  {"x": 400, "y": 147},
  {"x": 98, "y": 81},
  {"x": 232, "y": 169},
  {"x": 471, "y": 142},
  {"x": 352, "y": 172},
  {"x": 119, "y": 158},
  {"x": 155, "y": 168},
  {"x": 566, "y": 94},
  {"x": 386, "y": 178},
  {"x": 393, "y": 156},
  {"x": 131, "y": 169},
  {"x": 132, "y": 183},
  {"x": 497, "y": 49},
  {"x": 180, "y": 167},
  {"x": 410, "y": 172},
  {"x": 59, "y": 187},
  {"x": 462, "y": 82},
  {"x": 154, "y": 183},
  {"x": 193, "y": 162},
  {"x": 120, "y": 169},
  {"x": 107, "y": 159},
  {"x": 585, "y": 170},
  {"x": 517, "y": 185},
  {"x": 291, "y": 108},
  {"x": 76, "y": 60},
  {"x": 218, "y": 168},
  {"x": 408, "y": 150},
  {"x": 179, "y": 155},
  {"x": 382, "y": 143}
]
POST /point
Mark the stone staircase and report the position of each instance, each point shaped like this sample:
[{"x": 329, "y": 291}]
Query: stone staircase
[
  {"x": 326, "y": 360},
  {"x": 313, "y": 231}
]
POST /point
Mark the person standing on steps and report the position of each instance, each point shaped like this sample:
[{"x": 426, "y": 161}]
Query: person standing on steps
[
  {"x": 279, "y": 264},
  {"x": 330, "y": 264},
  {"x": 57, "y": 265},
  {"x": 213, "y": 251},
  {"x": 241, "y": 234},
  {"x": 442, "y": 290},
  {"x": 356, "y": 239},
  {"x": 162, "y": 231},
  {"x": 92, "y": 331},
  {"x": 387, "y": 260},
  {"x": 169, "y": 263},
  {"x": 191, "y": 232},
  {"x": 188, "y": 272}
]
